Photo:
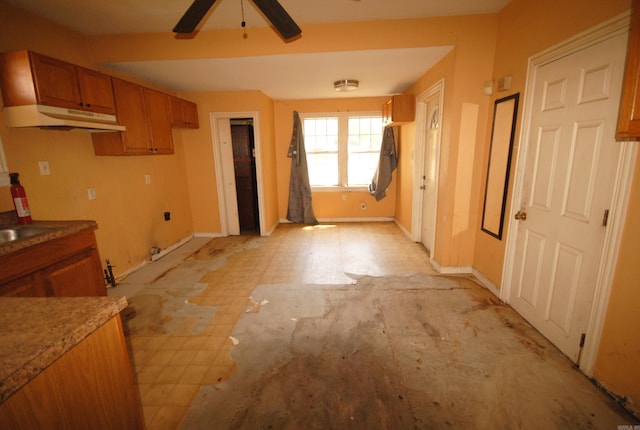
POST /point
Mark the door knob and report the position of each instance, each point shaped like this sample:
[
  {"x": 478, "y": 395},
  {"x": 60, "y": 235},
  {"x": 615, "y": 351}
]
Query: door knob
[{"x": 521, "y": 215}]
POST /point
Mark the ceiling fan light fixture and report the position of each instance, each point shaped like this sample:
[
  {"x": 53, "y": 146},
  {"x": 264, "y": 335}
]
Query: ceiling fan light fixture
[{"x": 346, "y": 85}]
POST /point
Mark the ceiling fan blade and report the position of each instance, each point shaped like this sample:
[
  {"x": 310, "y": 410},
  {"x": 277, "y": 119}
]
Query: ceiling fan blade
[
  {"x": 193, "y": 16},
  {"x": 279, "y": 18}
]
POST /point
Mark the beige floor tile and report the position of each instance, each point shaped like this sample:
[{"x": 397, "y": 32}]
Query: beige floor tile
[{"x": 167, "y": 418}]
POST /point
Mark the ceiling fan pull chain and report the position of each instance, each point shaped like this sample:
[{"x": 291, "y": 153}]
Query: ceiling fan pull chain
[{"x": 243, "y": 24}]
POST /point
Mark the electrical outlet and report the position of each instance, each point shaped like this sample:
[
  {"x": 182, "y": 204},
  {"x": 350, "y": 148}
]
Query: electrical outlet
[
  {"x": 147, "y": 179},
  {"x": 91, "y": 192},
  {"x": 44, "y": 168}
]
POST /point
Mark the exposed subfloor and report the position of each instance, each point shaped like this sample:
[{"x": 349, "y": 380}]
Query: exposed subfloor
[{"x": 340, "y": 326}]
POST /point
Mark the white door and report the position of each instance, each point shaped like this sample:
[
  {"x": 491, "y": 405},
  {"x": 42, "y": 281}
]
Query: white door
[
  {"x": 571, "y": 160},
  {"x": 429, "y": 173},
  {"x": 229, "y": 199}
]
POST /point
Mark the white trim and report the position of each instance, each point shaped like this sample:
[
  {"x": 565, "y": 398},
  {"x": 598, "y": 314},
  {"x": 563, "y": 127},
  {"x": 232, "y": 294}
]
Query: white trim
[
  {"x": 343, "y": 118},
  {"x": 355, "y": 219},
  {"x": 452, "y": 270},
  {"x": 208, "y": 234},
  {"x": 4, "y": 171},
  {"x": 121, "y": 276},
  {"x": 486, "y": 282},
  {"x": 404, "y": 230},
  {"x": 419, "y": 149},
  {"x": 597, "y": 34},
  {"x": 215, "y": 134},
  {"x": 611, "y": 247},
  {"x": 171, "y": 248}
]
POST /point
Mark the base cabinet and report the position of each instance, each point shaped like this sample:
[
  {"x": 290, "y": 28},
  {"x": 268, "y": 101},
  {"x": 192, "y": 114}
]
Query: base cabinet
[
  {"x": 89, "y": 387},
  {"x": 68, "y": 266}
]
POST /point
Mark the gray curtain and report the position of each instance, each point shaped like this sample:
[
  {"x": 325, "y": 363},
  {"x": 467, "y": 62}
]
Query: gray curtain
[
  {"x": 386, "y": 165},
  {"x": 300, "y": 209}
]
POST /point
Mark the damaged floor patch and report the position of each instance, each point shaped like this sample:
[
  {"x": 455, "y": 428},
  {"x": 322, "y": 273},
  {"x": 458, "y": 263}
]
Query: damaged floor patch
[{"x": 404, "y": 352}]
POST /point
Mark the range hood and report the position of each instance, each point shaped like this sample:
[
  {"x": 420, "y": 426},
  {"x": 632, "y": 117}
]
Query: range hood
[{"x": 57, "y": 118}]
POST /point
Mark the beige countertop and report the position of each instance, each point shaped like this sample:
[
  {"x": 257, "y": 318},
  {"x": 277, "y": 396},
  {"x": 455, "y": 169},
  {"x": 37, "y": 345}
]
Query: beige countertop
[
  {"x": 57, "y": 229},
  {"x": 35, "y": 332}
]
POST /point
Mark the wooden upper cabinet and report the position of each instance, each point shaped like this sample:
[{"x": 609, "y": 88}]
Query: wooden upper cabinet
[
  {"x": 28, "y": 78},
  {"x": 146, "y": 115},
  {"x": 97, "y": 91},
  {"x": 399, "y": 109},
  {"x": 184, "y": 114},
  {"x": 629, "y": 115},
  {"x": 159, "y": 113},
  {"x": 56, "y": 82}
]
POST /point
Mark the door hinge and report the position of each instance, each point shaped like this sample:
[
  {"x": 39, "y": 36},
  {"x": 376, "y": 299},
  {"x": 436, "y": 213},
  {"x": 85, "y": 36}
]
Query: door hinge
[
  {"x": 582, "y": 338},
  {"x": 605, "y": 219}
]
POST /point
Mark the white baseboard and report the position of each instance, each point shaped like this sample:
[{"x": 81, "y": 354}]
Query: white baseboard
[
  {"x": 207, "y": 234},
  {"x": 404, "y": 230},
  {"x": 486, "y": 282},
  {"x": 170, "y": 248},
  {"x": 325, "y": 220}
]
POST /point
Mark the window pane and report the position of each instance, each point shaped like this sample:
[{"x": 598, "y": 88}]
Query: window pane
[
  {"x": 365, "y": 139},
  {"x": 362, "y": 167},
  {"x": 321, "y": 134},
  {"x": 329, "y": 143},
  {"x": 323, "y": 169}
]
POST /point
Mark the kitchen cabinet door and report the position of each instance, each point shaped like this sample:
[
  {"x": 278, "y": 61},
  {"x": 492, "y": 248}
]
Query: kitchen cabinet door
[
  {"x": 28, "y": 78},
  {"x": 78, "y": 276},
  {"x": 96, "y": 90},
  {"x": 399, "y": 109},
  {"x": 56, "y": 82},
  {"x": 159, "y": 114},
  {"x": 184, "y": 114},
  {"x": 629, "y": 115},
  {"x": 146, "y": 115},
  {"x": 31, "y": 285}
]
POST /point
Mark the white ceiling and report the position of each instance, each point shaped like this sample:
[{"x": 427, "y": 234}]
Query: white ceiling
[{"x": 295, "y": 76}]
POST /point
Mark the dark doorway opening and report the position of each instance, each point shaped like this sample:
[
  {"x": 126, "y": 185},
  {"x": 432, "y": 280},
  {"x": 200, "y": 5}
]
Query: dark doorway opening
[{"x": 245, "y": 172}]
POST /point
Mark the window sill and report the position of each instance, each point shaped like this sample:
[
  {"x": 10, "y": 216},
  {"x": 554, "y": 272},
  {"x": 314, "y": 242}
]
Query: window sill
[{"x": 338, "y": 189}]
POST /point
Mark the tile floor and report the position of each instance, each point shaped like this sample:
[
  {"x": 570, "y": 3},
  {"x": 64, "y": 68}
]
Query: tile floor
[
  {"x": 172, "y": 364},
  {"x": 184, "y": 307}
]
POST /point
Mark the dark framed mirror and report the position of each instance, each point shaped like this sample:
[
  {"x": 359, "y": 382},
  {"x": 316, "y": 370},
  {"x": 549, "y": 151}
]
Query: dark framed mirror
[{"x": 495, "y": 194}]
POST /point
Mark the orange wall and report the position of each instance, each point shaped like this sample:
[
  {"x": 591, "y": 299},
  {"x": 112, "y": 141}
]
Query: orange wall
[
  {"x": 619, "y": 355},
  {"x": 465, "y": 110},
  {"x": 554, "y": 22},
  {"x": 201, "y": 174},
  {"x": 328, "y": 205},
  {"x": 486, "y": 46},
  {"x": 129, "y": 213},
  {"x": 525, "y": 29}
]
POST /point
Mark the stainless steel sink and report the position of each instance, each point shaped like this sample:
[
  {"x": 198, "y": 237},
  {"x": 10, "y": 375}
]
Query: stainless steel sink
[{"x": 9, "y": 234}]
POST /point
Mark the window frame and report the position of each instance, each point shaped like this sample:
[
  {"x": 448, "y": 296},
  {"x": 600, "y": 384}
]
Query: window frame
[{"x": 343, "y": 147}]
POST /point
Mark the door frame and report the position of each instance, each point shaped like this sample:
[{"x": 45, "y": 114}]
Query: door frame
[
  {"x": 220, "y": 172},
  {"x": 422, "y": 127},
  {"x": 620, "y": 198}
]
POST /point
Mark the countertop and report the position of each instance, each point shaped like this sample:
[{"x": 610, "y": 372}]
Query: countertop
[
  {"x": 35, "y": 332},
  {"x": 58, "y": 229}
]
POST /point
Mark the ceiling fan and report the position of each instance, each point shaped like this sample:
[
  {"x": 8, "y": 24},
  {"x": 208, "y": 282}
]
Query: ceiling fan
[{"x": 275, "y": 13}]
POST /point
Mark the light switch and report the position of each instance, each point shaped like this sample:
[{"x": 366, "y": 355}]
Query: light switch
[
  {"x": 147, "y": 179},
  {"x": 91, "y": 192},
  {"x": 44, "y": 168}
]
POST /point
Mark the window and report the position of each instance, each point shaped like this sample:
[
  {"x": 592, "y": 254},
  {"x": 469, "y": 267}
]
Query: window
[
  {"x": 342, "y": 149},
  {"x": 4, "y": 171}
]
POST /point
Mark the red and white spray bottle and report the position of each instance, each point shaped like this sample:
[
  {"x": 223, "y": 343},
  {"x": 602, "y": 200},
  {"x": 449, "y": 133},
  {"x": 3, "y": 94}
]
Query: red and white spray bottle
[{"x": 20, "y": 200}]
